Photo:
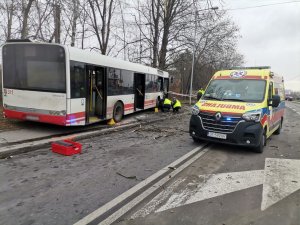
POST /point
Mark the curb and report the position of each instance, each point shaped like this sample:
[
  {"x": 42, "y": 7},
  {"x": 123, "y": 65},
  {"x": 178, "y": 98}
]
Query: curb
[{"x": 34, "y": 145}]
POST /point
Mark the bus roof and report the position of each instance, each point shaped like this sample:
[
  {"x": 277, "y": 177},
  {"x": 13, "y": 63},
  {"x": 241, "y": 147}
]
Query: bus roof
[
  {"x": 103, "y": 60},
  {"x": 95, "y": 58}
]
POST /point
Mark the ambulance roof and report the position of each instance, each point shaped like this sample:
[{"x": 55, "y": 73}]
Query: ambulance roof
[{"x": 247, "y": 73}]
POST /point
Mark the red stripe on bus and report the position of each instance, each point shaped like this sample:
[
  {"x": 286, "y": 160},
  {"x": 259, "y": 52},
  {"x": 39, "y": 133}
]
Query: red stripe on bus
[
  {"x": 128, "y": 106},
  {"x": 59, "y": 120},
  {"x": 75, "y": 115}
]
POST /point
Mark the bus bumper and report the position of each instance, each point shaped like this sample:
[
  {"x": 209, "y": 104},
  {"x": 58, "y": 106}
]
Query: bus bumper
[
  {"x": 36, "y": 117},
  {"x": 245, "y": 133}
]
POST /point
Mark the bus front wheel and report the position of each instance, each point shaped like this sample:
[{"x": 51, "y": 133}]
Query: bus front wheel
[{"x": 118, "y": 112}]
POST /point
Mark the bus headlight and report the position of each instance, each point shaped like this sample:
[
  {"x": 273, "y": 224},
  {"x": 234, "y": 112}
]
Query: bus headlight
[
  {"x": 195, "y": 110},
  {"x": 254, "y": 115}
]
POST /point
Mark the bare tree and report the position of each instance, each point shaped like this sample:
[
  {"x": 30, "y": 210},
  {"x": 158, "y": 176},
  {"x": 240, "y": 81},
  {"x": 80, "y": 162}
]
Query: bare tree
[
  {"x": 102, "y": 28},
  {"x": 26, "y": 6},
  {"x": 7, "y": 10}
]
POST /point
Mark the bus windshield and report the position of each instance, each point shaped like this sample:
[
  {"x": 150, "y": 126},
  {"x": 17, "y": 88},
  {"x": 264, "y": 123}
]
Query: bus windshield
[
  {"x": 35, "y": 67},
  {"x": 241, "y": 90}
]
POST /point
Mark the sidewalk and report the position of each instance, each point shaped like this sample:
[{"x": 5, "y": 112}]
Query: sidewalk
[{"x": 31, "y": 135}]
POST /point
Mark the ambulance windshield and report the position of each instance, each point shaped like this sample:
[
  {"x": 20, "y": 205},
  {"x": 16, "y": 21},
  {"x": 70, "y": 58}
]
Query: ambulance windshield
[{"x": 243, "y": 90}]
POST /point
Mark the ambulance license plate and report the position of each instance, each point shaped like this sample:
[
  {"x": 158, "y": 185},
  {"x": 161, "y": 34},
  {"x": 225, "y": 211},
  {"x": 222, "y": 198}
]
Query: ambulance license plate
[{"x": 216, "y": 135}]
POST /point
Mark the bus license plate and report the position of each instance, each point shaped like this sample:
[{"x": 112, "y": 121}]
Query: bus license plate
[
  {"x": 32, "y": 118},
  {"x": 216, "y": 135}
]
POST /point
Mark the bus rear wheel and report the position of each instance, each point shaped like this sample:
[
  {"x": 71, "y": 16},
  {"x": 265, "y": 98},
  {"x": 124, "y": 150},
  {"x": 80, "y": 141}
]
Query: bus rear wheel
[{"x": 118, "y": 112}]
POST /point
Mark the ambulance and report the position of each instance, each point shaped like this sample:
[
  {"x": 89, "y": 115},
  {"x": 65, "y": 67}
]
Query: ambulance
[{"x": 240, "y": 106}]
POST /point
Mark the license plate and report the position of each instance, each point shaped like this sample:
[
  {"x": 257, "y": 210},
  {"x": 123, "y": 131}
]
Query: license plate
[
  {"x": 33, "y": 118},
  {"x": 216, "y": 135}
]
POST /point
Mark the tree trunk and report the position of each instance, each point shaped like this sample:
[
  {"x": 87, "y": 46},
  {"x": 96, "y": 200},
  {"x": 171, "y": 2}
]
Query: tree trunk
[
  {"x": 74, "y": 21},
  {"x": 57, "y": 23},
  {"x": 26, "y": 10}
]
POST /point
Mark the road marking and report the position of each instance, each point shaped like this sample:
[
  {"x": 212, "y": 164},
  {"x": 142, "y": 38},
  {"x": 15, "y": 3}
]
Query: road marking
[
  {"x": 215, "y": 185},
  {"x": 108, "y": 206},
  {"x": 201, "y": 188},
  {"x": 280, "y": 178}
]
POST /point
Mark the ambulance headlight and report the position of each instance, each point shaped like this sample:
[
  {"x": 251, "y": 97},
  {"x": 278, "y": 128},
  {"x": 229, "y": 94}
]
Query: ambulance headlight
[
  {"x": 254, "y": 115},
  {"x": 195, "y": 110}
]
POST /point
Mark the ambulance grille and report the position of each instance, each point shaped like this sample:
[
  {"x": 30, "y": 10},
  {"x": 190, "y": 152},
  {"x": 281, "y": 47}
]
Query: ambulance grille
[{"x": 226, "y": 124}]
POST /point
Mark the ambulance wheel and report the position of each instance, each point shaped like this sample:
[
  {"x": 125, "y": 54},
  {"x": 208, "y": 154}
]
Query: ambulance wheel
[
  {"x": 196, "y": 140},
  {"x": 262, "y": 143},
  {"x": 118, "y": 112},
  {"x": 278, "y": 131}
]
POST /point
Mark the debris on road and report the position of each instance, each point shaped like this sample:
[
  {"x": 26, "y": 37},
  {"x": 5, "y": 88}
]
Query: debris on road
[{"x": 125, "y": 176}]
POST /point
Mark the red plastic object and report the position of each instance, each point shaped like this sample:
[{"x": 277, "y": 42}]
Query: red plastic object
[{"x": 66, "y": 147}]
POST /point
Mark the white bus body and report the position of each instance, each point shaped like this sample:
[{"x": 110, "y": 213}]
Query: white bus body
[{"x": 63, "y": 85}]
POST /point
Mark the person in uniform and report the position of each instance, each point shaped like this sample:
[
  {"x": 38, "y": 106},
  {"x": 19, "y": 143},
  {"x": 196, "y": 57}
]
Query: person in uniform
[
  {"x": 200, "y": 93},
  {"x": 176, "y": 105},
  {"x": 167, "y": 104}
]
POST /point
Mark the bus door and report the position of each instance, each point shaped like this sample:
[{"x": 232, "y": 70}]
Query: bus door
[
  {"x": 166, "y": 86},
  {"x": 96, "y": 98},
  {"x": 139, "y": 91}
]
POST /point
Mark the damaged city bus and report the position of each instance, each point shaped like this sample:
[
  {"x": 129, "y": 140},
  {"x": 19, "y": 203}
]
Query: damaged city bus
[
  {"x": 62, "y": 85},
  {"x": 242, "y": 106}
]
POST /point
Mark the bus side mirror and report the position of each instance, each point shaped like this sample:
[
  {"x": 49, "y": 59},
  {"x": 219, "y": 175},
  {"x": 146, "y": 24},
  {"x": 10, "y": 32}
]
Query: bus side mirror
[{"x": 275, "y": 101}]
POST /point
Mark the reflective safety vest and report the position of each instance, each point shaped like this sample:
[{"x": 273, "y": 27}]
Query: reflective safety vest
[
  {"x": 177, "y": 104},
  {"x": 201, "y": 91},
  {"x": 167, "y": 101}
]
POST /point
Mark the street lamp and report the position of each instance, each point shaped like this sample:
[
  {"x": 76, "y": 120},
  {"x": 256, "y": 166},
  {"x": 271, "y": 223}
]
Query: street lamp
[{"x": 194, "y": 46}]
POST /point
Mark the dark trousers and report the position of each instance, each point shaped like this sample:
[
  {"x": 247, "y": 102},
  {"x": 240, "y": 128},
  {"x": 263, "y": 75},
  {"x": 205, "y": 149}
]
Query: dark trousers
[
  {"x": 176, "y": 109},
  {"x": 166, "y": 108}
]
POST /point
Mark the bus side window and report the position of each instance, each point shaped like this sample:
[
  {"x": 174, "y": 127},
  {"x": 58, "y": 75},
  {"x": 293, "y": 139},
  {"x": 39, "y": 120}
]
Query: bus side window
[
  {"x": 160, "y": 84},
  {"x": 78, "y": 84}
]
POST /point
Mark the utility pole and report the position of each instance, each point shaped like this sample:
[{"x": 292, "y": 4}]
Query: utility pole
[
  {"x": 140, "y": 32},
  {"x": 194, "y": 46}
]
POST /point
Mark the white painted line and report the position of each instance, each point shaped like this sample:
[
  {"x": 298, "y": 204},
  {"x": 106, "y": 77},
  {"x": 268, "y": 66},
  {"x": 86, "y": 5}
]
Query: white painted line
[
  {"x": 216, "y": 185},
  {"x": 282, "y": 178},
  {"x": 201, "y": 188},
  {"x": 89, "y": 218},
  {"x": 112, "y": 218},
  {"x": 158, "y": 199}
]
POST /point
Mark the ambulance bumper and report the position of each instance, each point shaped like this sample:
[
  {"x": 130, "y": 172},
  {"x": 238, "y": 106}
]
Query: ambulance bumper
[{"x": 244, "y": 134}]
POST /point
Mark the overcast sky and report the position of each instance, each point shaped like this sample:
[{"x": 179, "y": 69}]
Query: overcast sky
[{"x": 270, "y": 35}]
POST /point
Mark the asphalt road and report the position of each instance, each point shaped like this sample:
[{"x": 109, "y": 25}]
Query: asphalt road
[
  {"x": 231, "y": 185},
  {"x": 225, "y": 186},
  {"x": 41, "y": 187}
]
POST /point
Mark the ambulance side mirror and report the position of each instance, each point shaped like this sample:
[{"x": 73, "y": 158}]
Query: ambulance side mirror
[{"x": 275, "y": 101}]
